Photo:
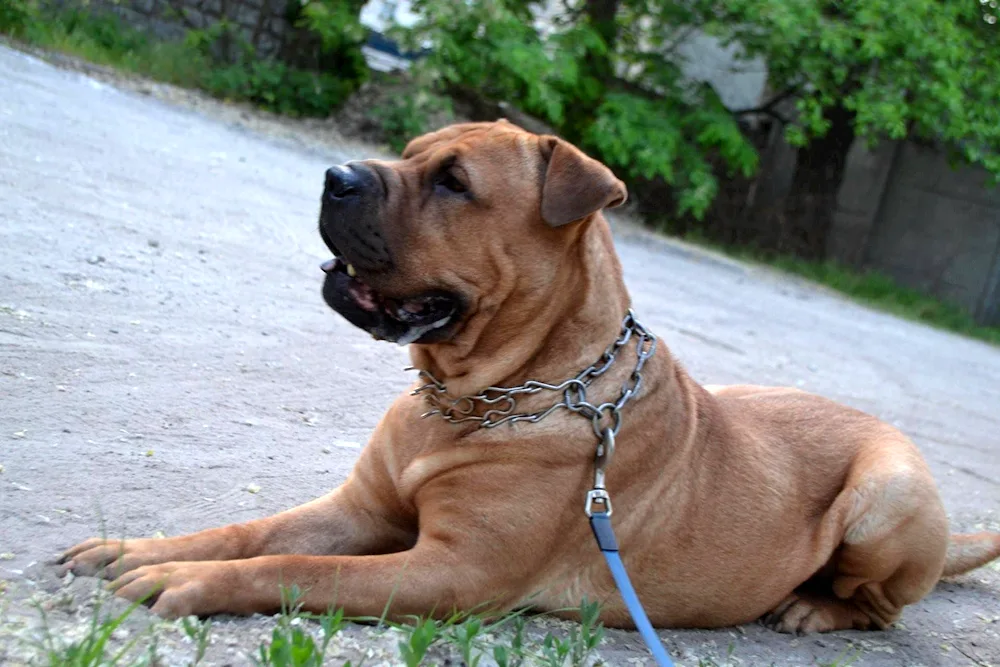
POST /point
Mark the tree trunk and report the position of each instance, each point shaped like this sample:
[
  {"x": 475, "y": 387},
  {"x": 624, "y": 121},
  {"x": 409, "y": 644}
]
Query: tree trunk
[
  {"x": 602, "y": 18},
  {"x": 819, "y": 170},
  {"x": 602, "y": 15}
]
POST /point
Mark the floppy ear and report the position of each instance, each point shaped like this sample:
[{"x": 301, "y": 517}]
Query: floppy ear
[{"x": 576, "y": 185}]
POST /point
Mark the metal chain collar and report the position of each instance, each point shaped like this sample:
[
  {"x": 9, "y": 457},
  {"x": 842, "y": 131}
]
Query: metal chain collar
[{"x": 499, "y": 404}]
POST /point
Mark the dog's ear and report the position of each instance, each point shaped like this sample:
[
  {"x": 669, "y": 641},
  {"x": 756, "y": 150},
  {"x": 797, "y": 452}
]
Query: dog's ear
[{"x": 576, "y": 186}]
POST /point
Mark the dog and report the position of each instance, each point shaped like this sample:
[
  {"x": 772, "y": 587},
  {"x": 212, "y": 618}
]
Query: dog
[{"x": 485, "y": 250}]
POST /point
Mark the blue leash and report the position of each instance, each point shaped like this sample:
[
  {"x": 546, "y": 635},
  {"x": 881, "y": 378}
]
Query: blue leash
[{"x": 600, "y": 523}]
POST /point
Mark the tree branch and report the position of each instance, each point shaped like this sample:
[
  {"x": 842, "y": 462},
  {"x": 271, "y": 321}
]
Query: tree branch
[
  {"x": 784, "y": 120},
  {"x": 681, "y": 37},
  {"x": 768, "y": 109}
]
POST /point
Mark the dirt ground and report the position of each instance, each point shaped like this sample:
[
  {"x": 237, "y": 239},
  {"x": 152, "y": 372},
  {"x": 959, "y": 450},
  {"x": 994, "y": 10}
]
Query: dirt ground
[{"x": 167, "y": 364}]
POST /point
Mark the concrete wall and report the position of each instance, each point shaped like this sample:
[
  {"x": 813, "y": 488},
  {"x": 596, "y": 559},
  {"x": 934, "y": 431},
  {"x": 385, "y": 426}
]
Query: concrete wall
[{"x": 904, "y": 211}]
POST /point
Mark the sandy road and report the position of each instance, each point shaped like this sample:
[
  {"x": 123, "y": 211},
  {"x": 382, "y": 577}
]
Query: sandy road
[{"x": 163, "y": 349}]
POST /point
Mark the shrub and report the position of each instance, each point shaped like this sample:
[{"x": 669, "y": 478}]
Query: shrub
[
  {"x": 217, "y": 58},
  {"x": 404, "y": 118},
  {"x": 16, "y": 16},
  {"x": 277, "y": 87}
]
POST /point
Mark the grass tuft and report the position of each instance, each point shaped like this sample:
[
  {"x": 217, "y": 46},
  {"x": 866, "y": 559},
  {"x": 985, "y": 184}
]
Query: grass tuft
[
  {"x": 300, "y": 639},
  {"x": 199, "y": 633},
  {"x": 98, "y": 647},
  {"x": 292, "y": 644}
]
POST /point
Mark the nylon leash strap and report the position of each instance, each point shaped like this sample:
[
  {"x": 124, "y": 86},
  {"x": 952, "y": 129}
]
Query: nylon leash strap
[{"x": 600, "y": 523}]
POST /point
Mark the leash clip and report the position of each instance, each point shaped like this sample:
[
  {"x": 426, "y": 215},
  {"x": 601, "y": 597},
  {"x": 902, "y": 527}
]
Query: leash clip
[{"x": 599, "y": 494}]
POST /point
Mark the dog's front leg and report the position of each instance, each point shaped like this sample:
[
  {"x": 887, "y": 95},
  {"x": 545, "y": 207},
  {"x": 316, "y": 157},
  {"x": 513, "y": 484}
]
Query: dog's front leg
[
  {"x": 363, "y": 516},
  {"x": 427, "y": 580}
]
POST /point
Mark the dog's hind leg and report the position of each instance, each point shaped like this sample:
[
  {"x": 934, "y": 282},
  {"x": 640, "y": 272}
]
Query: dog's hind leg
[{"x": 892, "y": 549}]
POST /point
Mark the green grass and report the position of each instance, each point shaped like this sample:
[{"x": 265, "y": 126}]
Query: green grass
[
  {"x": 104, "y": 39},
  {"x": 300, "y": 639},
  {"x": 884, "y": 293},
  {"x": 870, "y": 288},
  {"x": 97, "y": 647}
]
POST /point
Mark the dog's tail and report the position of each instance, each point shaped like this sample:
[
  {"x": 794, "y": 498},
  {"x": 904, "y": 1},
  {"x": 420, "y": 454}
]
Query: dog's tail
[{"x": 969, "y": 551}]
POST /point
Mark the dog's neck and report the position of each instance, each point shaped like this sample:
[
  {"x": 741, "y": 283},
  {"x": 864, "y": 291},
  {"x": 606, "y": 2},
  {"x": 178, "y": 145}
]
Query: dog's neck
[{"x": 570, "y": 324}]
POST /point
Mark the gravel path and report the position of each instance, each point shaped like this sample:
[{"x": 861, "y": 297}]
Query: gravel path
[{"x": 167, "y": 364}]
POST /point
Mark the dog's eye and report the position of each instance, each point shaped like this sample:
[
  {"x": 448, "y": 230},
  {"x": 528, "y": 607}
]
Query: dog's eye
[{"x": 447, "y": 181}]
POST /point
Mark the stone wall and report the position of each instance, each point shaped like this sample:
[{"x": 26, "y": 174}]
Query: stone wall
[
  {"x": 262, "y": 23},
  {"x": 904, "y": 211}
]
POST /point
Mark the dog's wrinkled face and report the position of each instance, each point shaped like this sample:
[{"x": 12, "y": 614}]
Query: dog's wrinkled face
[{"x": 471, "y": 213}]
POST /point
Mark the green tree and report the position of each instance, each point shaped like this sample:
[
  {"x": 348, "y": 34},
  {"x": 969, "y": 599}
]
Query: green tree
[
  {"x": 604, "y": 73},
  {"x": 608, "y": 75},
  {"x": 872, "y": 69}
]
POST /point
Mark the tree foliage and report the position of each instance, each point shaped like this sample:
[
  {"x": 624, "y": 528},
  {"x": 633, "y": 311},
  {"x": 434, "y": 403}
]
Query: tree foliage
[
  {"x": 646, "y": 121},
  {"x": 609, "y": 74},
  {"x": 925, "y": 68}
]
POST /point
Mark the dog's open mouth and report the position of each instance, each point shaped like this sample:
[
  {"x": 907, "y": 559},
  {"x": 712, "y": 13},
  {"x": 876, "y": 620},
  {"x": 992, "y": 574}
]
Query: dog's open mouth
[{"x": 414, "y": 319}]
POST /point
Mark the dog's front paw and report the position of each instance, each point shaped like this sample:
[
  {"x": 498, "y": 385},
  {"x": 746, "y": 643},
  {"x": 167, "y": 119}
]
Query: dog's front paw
[
  {"x": 110, "y": 558},
  {"x": 178, "y": 589}
]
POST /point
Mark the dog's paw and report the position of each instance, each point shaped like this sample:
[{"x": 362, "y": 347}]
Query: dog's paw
[
  {"x": 108, "y": 558},
  {"x": 803, "y": 615},
  {"x": 174, "y": 590}
]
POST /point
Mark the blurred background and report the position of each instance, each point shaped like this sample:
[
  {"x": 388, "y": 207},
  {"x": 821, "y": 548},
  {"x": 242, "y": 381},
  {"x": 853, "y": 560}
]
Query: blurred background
[{"x": 855, "y": 142}]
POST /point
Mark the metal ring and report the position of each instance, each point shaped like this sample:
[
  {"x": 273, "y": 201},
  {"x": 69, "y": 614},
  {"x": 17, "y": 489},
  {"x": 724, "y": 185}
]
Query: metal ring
[{"x": 616, "y": 421}]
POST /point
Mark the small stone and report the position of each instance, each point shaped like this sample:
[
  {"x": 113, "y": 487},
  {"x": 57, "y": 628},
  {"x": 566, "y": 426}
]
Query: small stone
[
  {"x": 96, "y": 259},
  {"x": 153, "y": 243},
  {"x": 253, "y": 488}
]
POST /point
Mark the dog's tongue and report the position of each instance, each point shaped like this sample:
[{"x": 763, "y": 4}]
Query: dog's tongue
[
  {"x": 363, "y": 295},
  {"x": 406, "y": 311}
]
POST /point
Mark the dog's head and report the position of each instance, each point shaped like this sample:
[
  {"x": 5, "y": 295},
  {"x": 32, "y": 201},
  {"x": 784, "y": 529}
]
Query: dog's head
[{"x": 472, "y": 214}]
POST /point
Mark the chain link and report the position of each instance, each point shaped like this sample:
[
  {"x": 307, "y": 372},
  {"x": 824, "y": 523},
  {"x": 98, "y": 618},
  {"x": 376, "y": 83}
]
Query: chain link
[{"x": 499, "y": 404}]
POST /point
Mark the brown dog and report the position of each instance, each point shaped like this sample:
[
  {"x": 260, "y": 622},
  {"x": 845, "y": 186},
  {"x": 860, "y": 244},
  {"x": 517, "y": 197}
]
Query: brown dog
[{"x": 485, "y": 247}]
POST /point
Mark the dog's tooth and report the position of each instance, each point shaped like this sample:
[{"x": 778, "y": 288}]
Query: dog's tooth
[{"x": 350, "y": 270}]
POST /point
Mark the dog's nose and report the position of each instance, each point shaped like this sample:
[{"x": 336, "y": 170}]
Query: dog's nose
[{"x": 341, "y": 182}]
